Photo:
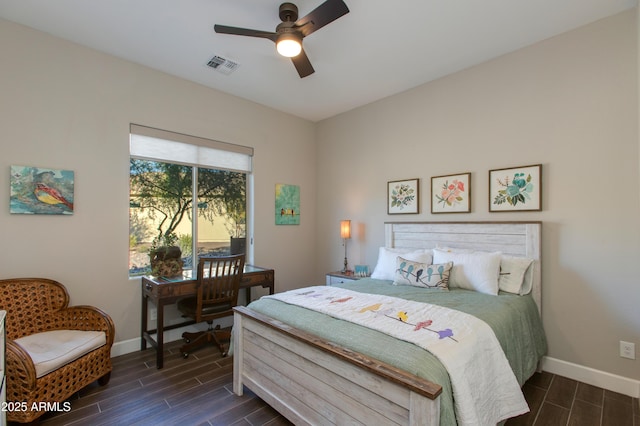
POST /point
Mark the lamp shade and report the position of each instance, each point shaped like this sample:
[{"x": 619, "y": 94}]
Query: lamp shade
[{"x": 345, "y": 229}]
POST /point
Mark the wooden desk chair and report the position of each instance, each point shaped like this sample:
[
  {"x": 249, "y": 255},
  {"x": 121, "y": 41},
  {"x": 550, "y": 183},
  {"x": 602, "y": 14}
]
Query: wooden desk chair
[{"x": 218, "y": 284}]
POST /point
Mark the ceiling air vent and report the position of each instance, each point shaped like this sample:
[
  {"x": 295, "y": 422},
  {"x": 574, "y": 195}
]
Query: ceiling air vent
[{"x": 223, "y": 65}]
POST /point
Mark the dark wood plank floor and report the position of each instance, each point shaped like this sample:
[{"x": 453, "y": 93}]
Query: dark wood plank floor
[
  {"x": 198, "y": 391},
  {"x": 193, "y": 391},
  {"x": 556, "y": 400}
]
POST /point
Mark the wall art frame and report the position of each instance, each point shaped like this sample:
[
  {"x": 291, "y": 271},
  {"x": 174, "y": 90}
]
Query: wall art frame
[
  {"x": 287, "y": 204},
  {"x": 403, "y": 196},
  {"x": 451, "y": 193},
  {"x": 516, "y": 189},
  {"x": 39, "y": 190}
]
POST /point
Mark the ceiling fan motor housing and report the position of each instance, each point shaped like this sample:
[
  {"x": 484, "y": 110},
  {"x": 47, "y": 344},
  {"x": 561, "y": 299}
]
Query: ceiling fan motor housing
[{"x": 286, "y": 27}]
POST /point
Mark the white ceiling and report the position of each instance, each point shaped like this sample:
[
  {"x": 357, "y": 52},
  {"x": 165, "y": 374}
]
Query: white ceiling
[{"x": 380, "y": 48}]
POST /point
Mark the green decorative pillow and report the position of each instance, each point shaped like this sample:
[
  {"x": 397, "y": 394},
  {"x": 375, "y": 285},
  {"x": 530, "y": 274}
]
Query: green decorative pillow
[{"x": 421, "y": 274}]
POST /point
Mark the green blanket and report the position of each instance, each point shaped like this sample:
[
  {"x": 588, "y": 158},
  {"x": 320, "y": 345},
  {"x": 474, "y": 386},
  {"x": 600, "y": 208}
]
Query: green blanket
[{"x": 514, "y": 320}]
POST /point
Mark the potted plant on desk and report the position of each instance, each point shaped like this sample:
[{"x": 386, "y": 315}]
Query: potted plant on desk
[{"x": 165, "y": 256}]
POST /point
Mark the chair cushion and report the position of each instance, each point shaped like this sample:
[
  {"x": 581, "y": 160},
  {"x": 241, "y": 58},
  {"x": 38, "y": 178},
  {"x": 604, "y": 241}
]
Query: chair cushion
[{"x": 51, "y": 350}]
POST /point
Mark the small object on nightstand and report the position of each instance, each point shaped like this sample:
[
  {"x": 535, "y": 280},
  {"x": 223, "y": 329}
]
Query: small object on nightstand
[{"x": 361, "y": 271}]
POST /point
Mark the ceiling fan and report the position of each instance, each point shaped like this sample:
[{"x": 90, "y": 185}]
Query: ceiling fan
[{"x": 290, "y": 32}]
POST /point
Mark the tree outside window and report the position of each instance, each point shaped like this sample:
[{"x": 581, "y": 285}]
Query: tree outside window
[{"x": 164, "y": 202}]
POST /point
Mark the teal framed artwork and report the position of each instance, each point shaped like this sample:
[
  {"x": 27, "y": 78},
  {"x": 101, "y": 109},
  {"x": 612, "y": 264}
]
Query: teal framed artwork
[
  {"x": 516, "y": 189},
  {"x": 287, "y": 204},
  {"x": 36, "y": 190}
]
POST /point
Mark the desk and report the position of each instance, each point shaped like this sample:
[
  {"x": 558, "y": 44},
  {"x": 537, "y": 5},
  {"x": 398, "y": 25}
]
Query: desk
[{"x": 166, "y": 291}]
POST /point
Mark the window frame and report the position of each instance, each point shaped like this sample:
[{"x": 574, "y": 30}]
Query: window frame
[{"x": 203, "y": 153}]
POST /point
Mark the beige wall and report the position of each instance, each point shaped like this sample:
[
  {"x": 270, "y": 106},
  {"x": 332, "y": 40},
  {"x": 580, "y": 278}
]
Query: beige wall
[
  {"x": 65, "y": 106},
  {"x": 569, "y": 103}
]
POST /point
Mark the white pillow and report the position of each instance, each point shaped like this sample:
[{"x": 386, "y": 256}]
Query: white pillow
[
  {"x": 386, "y": 267},
  {"x": 516, "y": 274},
  {"x": 477, "y": 271}
]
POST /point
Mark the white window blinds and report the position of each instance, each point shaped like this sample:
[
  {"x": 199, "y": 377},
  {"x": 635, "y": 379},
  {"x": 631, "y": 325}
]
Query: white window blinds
[{"x": 161, "y": 145}]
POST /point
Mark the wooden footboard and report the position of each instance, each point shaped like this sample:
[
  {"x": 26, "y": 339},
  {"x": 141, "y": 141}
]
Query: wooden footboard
[{"x": 312, "y": 381}]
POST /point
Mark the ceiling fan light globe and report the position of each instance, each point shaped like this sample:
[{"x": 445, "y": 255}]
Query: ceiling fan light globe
[{"x": 289, "y": 48}]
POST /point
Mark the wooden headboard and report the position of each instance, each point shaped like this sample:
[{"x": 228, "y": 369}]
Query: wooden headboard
[{"x": 513, "y": 238}]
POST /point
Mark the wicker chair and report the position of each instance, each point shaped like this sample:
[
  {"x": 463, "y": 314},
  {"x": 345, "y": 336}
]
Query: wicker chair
[{"x": 36, "y": 305}]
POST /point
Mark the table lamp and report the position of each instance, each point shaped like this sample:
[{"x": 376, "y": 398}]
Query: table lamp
[{"x": 345, "y": 233}]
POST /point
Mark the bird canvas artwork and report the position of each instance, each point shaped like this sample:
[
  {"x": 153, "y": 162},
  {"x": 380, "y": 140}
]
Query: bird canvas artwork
[{"x": 36, "y": 190}]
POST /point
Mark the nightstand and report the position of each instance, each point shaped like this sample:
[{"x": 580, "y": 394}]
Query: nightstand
[{"x": 340, "y": 277}]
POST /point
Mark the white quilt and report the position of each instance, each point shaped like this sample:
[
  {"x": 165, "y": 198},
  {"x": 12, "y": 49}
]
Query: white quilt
[{"x": 485, "y": 390}]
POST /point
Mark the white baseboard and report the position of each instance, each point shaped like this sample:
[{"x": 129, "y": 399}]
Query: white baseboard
[
  {"x": 125, "y": 347},
  {"x": 593, "y": 377},
  {"x": 132, "y": 345}
]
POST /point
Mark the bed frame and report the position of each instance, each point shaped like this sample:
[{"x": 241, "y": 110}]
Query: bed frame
[{"x": 312, "y": 381}]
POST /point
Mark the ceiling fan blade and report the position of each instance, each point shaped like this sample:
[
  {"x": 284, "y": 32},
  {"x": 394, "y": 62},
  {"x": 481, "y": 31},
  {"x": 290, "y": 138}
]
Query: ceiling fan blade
[
  {"x": 322, "y": 15},
  {"x": 303, "y": 64},
  {"x": 223, "y": 29}
]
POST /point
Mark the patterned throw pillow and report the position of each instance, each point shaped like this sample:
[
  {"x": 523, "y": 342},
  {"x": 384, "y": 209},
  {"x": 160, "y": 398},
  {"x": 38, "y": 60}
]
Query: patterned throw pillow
[{"x": 421, "y": 274}]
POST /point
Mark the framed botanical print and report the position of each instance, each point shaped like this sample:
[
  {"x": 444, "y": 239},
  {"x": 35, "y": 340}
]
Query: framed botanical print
[
  {"x": 516, "y": 189},
  {"x": 403, "y": 196},
  {"x": 451, "y": 193}
]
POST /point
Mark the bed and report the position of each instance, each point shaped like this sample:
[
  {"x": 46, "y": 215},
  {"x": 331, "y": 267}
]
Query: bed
[{"x": 316, "y": 369}]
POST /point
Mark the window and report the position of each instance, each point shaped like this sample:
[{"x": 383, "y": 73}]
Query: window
[{"x": 187, "y": 192}]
